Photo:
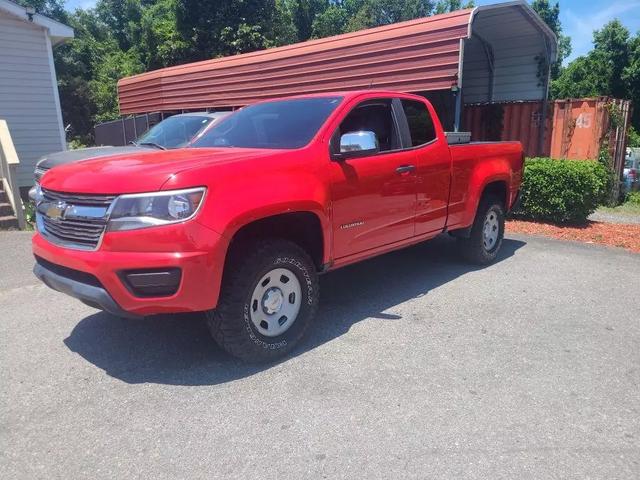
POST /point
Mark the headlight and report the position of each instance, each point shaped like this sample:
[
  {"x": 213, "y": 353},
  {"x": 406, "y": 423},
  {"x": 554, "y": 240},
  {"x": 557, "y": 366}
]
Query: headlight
[
  {"x": 35, "y": 193},
  {"x": 142, "y": 210}
]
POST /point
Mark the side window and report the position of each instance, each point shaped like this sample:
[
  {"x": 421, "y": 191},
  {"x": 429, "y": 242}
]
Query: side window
[
  {"x": 374, "y": 116},
  {"x": 420, "y": 122}
]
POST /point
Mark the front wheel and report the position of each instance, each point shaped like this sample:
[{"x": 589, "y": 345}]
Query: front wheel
[
  {"x": 487, "y": 232},
  {"x": 269, "y": 298}
]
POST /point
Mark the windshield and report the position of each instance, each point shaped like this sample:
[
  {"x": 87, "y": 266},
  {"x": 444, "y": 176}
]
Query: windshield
[
  {"x": 175, "y": 132},
  {"x": 279, "y": 124}
]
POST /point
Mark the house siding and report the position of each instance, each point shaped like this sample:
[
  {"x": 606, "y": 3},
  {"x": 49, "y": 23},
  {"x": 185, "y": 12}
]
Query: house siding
[{"x": 28, "y": 94}]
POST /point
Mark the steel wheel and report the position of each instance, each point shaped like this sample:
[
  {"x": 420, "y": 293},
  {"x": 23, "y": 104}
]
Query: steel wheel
[
  {"x": 275, "y": 302},
  {"x": 490, "y": 230}
]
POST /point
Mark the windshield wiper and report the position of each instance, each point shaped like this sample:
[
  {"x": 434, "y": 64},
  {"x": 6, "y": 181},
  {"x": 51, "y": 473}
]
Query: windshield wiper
[{"x": 152, "y": 145}]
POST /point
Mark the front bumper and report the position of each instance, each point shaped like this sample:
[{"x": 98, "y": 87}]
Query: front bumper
[
  {"x": 92, "y": 295},
  {"x": 194, "y": 249}
]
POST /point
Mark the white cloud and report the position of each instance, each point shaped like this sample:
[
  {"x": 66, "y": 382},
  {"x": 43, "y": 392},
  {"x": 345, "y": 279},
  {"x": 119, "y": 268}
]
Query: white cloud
[{"x": 580, "y": 27}]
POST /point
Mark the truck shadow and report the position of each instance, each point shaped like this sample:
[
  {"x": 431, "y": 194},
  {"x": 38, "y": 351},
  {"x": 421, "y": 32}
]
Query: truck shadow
[{"x": 177, "y": 350}]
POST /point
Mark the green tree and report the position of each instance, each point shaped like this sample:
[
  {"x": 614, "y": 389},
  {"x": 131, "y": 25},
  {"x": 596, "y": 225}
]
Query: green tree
[
  {"x": 284, "y": 29},
  {"x": 446, "y": 6},
  {"x": 611, "y": 68},
  {"x": 51, "y": 8},
  {"x": 631, "y": 79},
  {"x": 115, "y": 65},
  {"x": 551, "y": 16},
  {"x": 219, "y": 28},
  {"x": 611, "y": 48},
  {"x": 76, "y": 63},
  {"x": 160, "y": 44},
  {"x": 600, "y": 72},
  {"x": 581, "y": 78},
  {"x": 242, "y": 38},
  {"x": 122, "y": 17},
  {"x": 332, "y": 21},
  {"x": 373, "y": 13},
  {"x": 304, "y": 13},
  {"x": 633, "y": 137},
  {"x": 353, "y": 15}
]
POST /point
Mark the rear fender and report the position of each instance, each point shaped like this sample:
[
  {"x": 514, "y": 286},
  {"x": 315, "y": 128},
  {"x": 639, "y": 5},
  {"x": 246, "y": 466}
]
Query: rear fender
[{"x": 486, "y": 172}]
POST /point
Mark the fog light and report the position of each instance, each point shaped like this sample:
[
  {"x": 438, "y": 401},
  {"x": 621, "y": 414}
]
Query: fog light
[{"x": 160, "y": 282}]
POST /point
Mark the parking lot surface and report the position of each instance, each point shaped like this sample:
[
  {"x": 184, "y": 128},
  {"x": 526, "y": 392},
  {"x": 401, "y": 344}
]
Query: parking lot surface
[{"x": 418, "y": 366}]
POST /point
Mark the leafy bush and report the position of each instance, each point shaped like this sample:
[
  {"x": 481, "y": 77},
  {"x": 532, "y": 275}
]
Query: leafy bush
[
  {"x": 30, "y": 213},
  {"x": 633, "y": 198},
  {"x": 633, "y": 137},
  {"x": 562, "y": 190},
  {"x": 75, "y": 144}
]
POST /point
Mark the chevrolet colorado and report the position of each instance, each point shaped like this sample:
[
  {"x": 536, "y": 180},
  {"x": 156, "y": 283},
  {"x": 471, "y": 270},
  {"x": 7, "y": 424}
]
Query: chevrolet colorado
[{"x": 240, "y": 225}]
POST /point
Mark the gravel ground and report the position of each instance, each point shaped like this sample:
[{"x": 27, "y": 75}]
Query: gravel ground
[
  {"x": 615, "y": 217},
  {"x": 418, "y": 367}
]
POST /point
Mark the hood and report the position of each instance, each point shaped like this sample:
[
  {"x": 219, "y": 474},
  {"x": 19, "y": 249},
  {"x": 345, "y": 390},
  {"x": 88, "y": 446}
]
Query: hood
[
  {"x": 60, "y": 158},
  {"x": 143, "y": 171}
]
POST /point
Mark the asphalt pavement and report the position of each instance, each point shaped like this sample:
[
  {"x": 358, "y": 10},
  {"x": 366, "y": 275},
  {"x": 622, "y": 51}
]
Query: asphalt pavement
[{"x": 419, "y": 366}]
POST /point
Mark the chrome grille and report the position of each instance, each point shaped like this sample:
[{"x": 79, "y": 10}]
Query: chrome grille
[
  {"x": 79, "y": 199},
  {"x": 39, "y": 172},
  {"x": 82, "y": 232},
  {"x": 73, "y": 220}
]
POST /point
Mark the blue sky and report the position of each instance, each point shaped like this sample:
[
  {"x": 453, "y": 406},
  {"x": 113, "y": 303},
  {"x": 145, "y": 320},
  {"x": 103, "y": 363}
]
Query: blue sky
[{"x": 579, "y": 17}]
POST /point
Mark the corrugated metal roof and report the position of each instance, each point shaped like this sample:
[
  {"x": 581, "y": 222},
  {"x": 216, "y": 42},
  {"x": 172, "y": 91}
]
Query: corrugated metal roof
[
  {"x": 512, "y": 42},
  {"x": 417, "y": 55}
]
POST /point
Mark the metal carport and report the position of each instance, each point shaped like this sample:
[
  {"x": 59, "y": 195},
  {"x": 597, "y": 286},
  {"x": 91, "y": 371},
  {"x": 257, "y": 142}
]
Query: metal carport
[{"x": 497, "y": 52}]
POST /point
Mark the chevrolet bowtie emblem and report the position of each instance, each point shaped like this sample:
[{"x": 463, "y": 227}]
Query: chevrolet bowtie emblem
[{"x": 56, "y": 211}]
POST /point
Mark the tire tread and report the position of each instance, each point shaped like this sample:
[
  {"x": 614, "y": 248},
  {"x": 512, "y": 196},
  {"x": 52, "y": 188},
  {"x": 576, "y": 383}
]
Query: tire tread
[
  {"x": 228, "y": 330},
  {"x": 472, "y": 247}
]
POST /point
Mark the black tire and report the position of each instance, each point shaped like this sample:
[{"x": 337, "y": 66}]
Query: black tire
[
  {"x": 475, "y": 249},
  {"x": 230, "y": 323}
]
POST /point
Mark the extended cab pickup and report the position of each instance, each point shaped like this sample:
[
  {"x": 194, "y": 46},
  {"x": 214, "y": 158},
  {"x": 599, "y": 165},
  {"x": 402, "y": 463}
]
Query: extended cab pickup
[{"x": 240, "y": 225}]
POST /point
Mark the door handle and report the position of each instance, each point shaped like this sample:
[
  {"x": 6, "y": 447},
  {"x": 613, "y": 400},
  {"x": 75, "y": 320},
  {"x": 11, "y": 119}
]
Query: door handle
[{"x": 405, "y": 169}]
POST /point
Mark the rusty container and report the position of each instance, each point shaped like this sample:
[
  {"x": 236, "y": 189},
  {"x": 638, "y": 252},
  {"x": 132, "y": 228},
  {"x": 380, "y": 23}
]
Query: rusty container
[
  {"x": 574, "y": 128},
  {"x": 579, "y": 126},
  {"x": 521, "y": 121}
]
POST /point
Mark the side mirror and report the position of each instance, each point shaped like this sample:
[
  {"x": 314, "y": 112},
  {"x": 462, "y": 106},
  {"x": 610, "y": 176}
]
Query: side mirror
[{"x": 358, "y": 144}]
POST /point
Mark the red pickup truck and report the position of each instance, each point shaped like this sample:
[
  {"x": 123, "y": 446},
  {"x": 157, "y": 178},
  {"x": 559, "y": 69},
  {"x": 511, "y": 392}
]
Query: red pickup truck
[{"x": 240, "y": 225}]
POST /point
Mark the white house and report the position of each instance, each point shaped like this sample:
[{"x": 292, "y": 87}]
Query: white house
[{"x": 29, "y": 99}]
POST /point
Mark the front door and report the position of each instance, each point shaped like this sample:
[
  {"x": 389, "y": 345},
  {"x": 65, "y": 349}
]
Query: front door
[{"x": 374, "y": 196}]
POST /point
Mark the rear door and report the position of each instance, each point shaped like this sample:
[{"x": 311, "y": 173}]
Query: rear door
[
  {"x": 433, "y": 164},
  {"x": 374, "y": 196}
]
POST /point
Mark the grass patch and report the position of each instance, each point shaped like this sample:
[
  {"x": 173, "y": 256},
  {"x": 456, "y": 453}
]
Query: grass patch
[{"x": 630, "y": 207}]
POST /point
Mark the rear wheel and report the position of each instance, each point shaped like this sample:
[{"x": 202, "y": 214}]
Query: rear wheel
[
  {"x": 487, "y": 232},
  {"x": 268, "y": 299}
]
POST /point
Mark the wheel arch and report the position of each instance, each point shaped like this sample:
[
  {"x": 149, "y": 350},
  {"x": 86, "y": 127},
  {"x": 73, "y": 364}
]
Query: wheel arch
[
  {"x": 305, "y": 228},
  {"x": 498, "y": 186}
]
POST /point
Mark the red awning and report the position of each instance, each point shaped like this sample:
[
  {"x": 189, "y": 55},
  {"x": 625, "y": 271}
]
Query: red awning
[{"x": 413, "y": 56}]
